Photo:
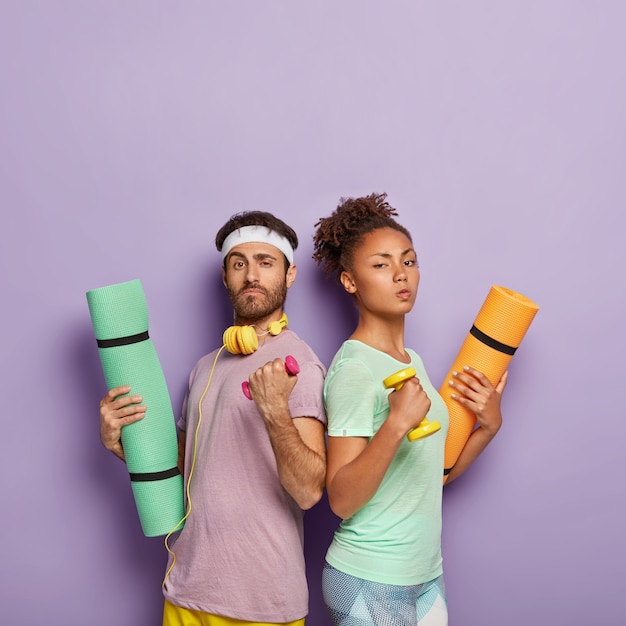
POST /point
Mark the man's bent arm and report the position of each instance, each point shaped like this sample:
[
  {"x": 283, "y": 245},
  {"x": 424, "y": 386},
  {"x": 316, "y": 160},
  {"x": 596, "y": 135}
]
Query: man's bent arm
[{"x": 300, "y": 449}]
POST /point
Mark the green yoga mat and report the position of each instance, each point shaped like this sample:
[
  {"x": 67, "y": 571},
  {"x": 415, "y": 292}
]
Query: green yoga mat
[{"x": 119, "y": 316}]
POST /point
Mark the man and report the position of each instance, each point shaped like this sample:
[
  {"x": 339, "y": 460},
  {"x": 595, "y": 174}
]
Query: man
[{"x": 251, "y": 466}]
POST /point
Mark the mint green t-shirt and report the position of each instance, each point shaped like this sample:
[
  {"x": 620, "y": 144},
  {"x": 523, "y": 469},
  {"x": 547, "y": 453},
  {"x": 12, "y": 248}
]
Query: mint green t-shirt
[{"x": 396, "y": 537}]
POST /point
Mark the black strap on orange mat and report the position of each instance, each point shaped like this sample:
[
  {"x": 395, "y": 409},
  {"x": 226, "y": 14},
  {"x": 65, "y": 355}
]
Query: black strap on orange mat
[{"x": 491, "y": 342}]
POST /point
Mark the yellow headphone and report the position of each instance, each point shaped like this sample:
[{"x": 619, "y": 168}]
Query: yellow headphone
[{"x": 244, "y": 340}]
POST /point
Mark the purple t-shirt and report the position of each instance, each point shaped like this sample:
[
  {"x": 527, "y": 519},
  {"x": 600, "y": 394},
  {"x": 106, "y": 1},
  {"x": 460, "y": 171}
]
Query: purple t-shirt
[{"x": 240, "y": 553}]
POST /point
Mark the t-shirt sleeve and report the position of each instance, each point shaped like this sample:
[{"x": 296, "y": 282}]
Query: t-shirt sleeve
[
  {"x": 350, "y": 397},
  {"x": 181, "y": 423},
  {"x": 306, "y": 399}
]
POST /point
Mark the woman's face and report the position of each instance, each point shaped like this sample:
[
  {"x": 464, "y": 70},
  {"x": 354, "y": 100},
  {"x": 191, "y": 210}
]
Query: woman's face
[{"x": 384, "y": 276}]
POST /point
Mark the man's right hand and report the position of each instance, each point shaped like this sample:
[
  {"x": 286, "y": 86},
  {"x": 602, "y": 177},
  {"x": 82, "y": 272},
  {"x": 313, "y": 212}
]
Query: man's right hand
[{"x": 118, "y": 410}]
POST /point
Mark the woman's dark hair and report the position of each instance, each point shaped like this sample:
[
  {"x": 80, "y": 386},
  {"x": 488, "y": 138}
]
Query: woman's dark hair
[
  {"x": 257, "y": 218},
  {"x": 337, "y": 236}
]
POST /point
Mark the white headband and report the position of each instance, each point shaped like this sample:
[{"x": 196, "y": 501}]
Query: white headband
[{"x": 257, "y": 234}]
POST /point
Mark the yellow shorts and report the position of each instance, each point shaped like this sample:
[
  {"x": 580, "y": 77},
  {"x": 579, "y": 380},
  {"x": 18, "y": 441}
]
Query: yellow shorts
[{"x": 177, "y": 616}]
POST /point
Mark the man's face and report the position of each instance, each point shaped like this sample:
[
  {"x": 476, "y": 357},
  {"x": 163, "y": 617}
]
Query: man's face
[{"x": 254, "y": 276}]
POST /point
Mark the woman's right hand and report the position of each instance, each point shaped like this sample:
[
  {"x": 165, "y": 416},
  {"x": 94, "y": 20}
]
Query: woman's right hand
[
  {"x": 408, "y": 405},
  {"x": 116, "y": 411}
]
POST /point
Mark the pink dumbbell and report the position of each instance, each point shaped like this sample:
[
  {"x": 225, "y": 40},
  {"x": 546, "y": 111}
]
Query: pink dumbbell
[{"x": 291, "y": 367}]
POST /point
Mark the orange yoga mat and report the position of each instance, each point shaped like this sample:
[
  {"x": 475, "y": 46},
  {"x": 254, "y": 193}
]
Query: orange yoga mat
[{"x": 497, "y": 332}]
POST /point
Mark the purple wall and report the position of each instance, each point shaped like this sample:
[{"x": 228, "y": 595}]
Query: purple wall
[{"x": 130, "y": 131}]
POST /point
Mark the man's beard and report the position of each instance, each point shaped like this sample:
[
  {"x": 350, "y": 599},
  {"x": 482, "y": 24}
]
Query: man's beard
[{"x": 253, "y": 308}]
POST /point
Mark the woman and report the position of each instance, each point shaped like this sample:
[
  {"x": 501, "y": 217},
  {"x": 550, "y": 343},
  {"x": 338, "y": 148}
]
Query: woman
[{"x": 384, "y": 565}]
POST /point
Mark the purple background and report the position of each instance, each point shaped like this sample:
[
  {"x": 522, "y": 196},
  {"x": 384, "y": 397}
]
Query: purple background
[{"x": 130, "y": 131}]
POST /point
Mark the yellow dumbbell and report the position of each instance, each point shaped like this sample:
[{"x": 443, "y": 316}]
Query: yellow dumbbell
[{"x": 425, "y": 427}]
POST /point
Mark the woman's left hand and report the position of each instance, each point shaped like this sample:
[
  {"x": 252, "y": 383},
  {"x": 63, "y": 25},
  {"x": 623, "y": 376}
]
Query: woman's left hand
[{"x": 476, "y": 393}]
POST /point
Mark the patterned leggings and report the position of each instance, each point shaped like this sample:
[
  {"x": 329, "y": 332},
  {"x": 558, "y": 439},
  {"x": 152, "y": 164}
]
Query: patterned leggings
[{"x": 354, "y": 601}]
